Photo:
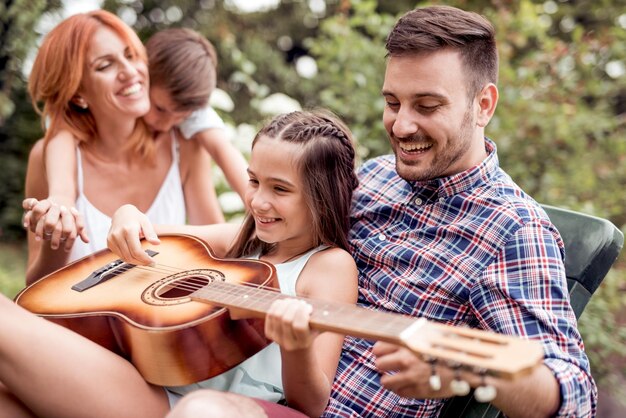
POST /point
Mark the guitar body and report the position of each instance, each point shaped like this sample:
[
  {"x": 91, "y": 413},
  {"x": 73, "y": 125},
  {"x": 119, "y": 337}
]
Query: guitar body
[{"x": 146, "y": 316}]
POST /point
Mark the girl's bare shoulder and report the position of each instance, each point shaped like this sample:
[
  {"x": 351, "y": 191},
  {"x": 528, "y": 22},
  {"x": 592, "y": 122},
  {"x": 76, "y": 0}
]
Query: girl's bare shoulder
[
  {"x": 330, "y": 274},
  {"x": 332, "y": 256}
]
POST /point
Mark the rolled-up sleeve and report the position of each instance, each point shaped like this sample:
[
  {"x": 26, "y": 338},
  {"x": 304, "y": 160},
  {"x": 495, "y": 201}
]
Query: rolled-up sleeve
[{"x": 524, "y": 292}]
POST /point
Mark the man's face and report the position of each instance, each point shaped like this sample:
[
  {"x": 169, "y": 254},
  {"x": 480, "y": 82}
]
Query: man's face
[
  {"x": 163, "y": 115},
  {"x": 428, "y": 116}
]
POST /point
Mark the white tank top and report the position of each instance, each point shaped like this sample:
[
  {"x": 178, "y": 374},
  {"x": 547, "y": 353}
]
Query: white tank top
[
  {"x": 260, "y": 375},
  {"x": 167, "y": 208}
]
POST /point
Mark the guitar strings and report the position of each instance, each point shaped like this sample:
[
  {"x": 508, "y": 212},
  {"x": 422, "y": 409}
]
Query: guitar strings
[
  {"x": 191, "y": 283},
  {"x": 195, "y": 282}
]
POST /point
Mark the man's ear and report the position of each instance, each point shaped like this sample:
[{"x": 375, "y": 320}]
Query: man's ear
[
  {"x": 487, "y": 101},
  {"x": 80, "y": 102}
]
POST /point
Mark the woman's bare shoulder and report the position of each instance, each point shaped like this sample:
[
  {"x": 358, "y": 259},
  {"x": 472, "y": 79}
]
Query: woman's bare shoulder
[
  {"x": 192, "y": 154},
  {"x": 36, "y": 184},
  {"x": 36, "y": 151}
]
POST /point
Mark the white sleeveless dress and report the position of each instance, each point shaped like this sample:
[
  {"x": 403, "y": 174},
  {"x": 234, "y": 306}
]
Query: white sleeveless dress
[
  {"x": 260, "y": 375},
  {"x": 167, "y": 208}
]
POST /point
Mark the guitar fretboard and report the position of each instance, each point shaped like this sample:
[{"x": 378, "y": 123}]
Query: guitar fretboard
[
  {"x": 497, "y": 354},
  {"x": 326, "y": 316}
]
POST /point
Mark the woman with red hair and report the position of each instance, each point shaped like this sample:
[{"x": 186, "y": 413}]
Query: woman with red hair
[
  {"x": 90, "y": 80},
  {"x": 302, "y": 164}
]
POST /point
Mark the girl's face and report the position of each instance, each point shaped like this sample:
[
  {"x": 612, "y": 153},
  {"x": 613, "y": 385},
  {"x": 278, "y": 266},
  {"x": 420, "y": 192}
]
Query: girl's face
[
  {"x": 275, "y": 195},
  {"x": 115, "y": 82}
]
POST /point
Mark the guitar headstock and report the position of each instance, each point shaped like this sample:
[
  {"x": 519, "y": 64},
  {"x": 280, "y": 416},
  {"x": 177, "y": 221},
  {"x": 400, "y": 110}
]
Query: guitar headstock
[{"x": 499, "y": 355}]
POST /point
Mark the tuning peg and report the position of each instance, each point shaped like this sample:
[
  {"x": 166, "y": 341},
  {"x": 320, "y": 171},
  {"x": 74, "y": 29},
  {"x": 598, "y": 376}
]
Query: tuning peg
[
  {"x": 458, "y": 386},
  {"x": 434, "y": 381},
  {"x": 484, "y": 392}
]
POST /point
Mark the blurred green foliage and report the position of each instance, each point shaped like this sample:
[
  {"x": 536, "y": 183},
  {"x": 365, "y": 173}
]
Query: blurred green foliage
[
  {"x": 17, "y": 20},
  {"x": 560, "y": 125},
  {"x": 11, "y": 268}
]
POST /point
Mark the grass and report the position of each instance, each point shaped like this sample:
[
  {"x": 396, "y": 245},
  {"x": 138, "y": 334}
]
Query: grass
[{"x": 12, "y": 268}]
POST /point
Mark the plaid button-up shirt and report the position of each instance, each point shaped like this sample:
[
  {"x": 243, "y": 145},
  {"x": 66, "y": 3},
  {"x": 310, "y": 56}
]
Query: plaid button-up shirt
[{"x": 472, "y": 250}]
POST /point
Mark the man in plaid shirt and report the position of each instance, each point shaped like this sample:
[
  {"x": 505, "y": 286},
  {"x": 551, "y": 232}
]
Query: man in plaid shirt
[{"x": 440, "y": 231}]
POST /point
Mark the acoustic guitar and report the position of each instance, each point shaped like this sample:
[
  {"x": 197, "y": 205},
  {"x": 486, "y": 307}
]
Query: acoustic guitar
[{"x": 173, "y": 320}]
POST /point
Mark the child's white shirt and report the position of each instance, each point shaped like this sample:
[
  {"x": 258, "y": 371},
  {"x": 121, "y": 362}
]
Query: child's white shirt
[{"x": 200, "y": 120}]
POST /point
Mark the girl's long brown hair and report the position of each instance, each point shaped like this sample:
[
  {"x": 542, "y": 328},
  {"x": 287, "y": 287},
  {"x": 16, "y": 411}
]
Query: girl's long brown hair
[{"x": 326, "y": 163}]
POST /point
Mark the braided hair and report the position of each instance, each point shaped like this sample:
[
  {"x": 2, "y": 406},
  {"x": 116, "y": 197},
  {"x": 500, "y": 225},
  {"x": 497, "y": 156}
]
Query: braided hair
[{"x": 327, "y": 169}]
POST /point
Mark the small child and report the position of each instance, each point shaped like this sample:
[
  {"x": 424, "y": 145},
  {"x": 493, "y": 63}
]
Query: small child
[{"x": 183, "y": 73}]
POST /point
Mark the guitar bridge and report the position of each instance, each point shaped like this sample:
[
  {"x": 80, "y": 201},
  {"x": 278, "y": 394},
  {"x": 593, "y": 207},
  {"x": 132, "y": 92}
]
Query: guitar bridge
[{"x": 105, "y": 273}]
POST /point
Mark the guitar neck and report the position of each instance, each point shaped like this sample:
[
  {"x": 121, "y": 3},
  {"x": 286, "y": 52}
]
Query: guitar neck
[
  {"x": 483, "y": 351},
  {"x": 342, "y": 318}
]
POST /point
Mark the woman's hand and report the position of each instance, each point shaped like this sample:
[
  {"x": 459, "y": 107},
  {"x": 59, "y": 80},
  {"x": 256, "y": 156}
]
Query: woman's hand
[
  {"x": 53, "y": 222},
  {"x": 287, "y": 323},
  {"x": 128, "y": 226}
]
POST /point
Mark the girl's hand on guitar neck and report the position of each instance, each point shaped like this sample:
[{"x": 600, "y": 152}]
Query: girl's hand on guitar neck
[
  {"x": 128, "y": 226},
  {"x": 287, "y": 323}
]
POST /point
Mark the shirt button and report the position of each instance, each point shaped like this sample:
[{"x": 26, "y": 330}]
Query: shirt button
[
  {"x": 418, "y": 201},
  {"x": 442, "y": 199},
  {"x": 381, "y": 237}
]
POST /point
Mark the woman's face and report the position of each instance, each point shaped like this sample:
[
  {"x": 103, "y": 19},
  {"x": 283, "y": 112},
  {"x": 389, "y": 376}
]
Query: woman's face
[{"x": 115, "y": 82}]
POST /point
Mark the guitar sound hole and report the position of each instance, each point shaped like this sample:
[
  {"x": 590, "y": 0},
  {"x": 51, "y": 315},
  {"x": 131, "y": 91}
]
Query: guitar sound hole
[{"x": 183, "y": 287}]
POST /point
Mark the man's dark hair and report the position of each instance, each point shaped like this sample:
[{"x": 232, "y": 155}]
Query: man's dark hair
[{"x": 430, "y": 29}]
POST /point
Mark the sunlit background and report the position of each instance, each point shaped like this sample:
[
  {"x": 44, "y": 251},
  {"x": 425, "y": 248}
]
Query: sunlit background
[{"x": 560, "y": 125}]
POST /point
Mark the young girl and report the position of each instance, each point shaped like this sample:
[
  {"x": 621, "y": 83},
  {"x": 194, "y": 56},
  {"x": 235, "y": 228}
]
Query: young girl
[
  {"x": 301, "y": 178},
  {"x": 183, "y": 71},
  {"x": 298, "y": 198}
]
